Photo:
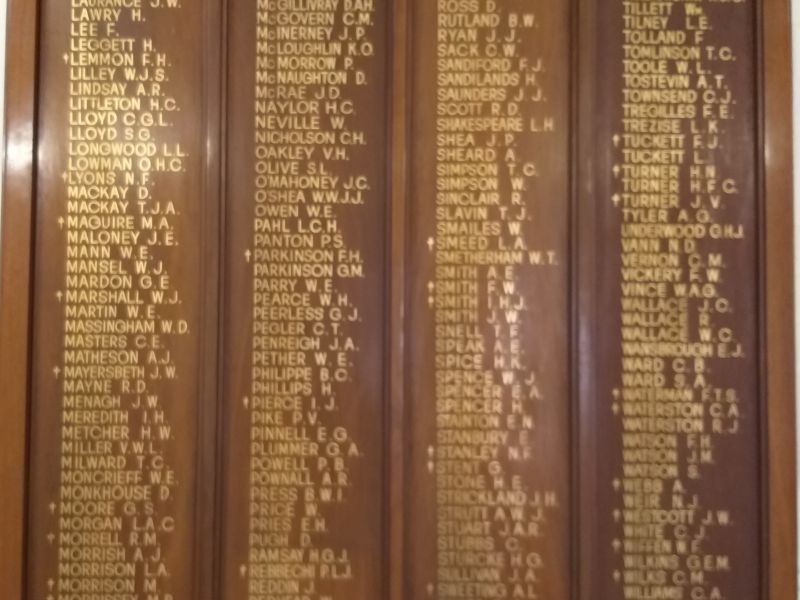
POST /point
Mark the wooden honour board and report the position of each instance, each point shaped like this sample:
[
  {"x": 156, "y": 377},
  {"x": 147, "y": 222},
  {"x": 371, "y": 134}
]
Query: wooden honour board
[{"x": 411, "y": 299}]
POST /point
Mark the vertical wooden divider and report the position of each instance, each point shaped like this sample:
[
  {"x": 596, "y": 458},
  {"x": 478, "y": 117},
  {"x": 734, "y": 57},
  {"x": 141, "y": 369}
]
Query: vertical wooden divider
[
  {"x": 779, "y": 459},
  {"x": 16, "y": 264},
  {"x": 584, "y": 312},
  {"x": 208, "y": 518},
  {"x": 397, "y": 412}
]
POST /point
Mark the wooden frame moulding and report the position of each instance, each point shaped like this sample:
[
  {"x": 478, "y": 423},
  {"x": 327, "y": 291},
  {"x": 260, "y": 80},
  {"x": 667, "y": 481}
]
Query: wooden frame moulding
[
  {"x": 16, "y": 261},
  {"x": 778, "y": 302},
  {"x": 396, "y": 412}
]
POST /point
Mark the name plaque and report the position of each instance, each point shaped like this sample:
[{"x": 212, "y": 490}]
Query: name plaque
[
  {"x": 397, "y": 300},
  {"x": 305, "y": 258},
  {"x": 488, "y": 320},
  {"x": 677, "y": 359},
  {"x": 116, "y": 394}
]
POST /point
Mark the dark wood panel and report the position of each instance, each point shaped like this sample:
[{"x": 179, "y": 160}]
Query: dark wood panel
[
  {"x": 488, "y": 307},
  {"x": 677, "y": 363},
  {"x": 304, "y": 356},
  {"x": 504, "y": 296},
  {"x": 120, "y": 336}
]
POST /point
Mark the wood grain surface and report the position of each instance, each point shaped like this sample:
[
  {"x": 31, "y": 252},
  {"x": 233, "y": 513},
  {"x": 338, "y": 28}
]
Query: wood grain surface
[{"x": 403, "y": 236}]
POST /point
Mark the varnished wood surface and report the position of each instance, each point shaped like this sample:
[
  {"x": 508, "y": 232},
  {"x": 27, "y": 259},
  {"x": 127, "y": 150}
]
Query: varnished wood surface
[
  {"x": 170, "y": 407},
  {"x": 399, "y": 550},
  {"x": 616, "y": 564},
  {"x": 397, "y": 344},
  {"x": 779, "y": 305},
  {"x": 16, "y": 241},
  {"x": 354, "y": 526},
  {"x": 521, "y": 358}
]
